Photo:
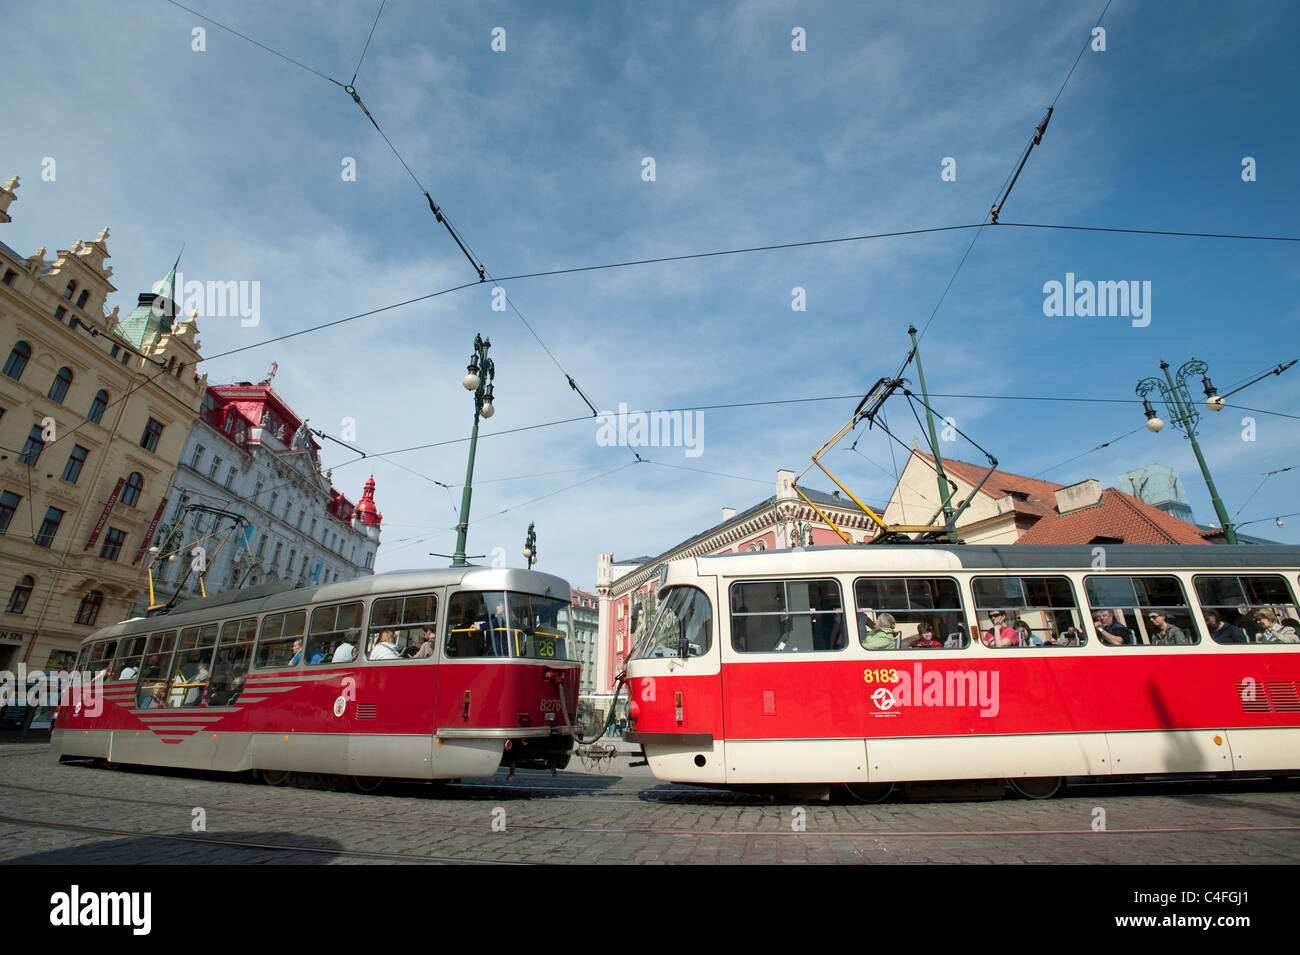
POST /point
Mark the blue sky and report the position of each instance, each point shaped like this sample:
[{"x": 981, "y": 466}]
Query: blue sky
[{"x": 536, "y": 155}]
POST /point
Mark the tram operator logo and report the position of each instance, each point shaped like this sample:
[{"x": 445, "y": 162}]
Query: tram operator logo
[{"x": 895, "y": 689}]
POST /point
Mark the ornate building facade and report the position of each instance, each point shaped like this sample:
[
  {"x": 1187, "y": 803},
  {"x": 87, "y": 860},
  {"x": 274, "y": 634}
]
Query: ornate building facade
[
  {"x": 92, "y": 423},
  {"x": 250, "y": 456}
]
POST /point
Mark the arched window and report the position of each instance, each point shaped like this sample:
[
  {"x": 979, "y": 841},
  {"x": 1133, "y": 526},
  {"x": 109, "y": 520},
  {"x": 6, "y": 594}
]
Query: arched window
[
  {"x": 22, "y": 590},
  {"x": 89, "y": 611},
  {"x": 82, "y": 299},
  {"x": 131, "y": 490},
  {"x": 67, "y": 292},
  {"x": 59, "y": 387},
  {"x": 97, "y": 406},
  {"x": 18, "y": 360}
]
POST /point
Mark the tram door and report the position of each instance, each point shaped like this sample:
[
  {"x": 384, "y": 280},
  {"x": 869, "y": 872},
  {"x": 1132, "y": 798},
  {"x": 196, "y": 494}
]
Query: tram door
[{"x": 675, "y": 686}]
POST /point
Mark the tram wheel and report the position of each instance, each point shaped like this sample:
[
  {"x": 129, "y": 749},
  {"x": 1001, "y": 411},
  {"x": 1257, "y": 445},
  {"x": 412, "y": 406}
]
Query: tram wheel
[
  {"x": 868, "y": 792},
  {"x": 1036, "y": 787},
  {"x": 368, "y": 784},
  {"x": 274, "y": 777}
]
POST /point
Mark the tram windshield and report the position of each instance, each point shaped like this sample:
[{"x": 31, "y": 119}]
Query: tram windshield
[
  {"x": 683, "y": 627},
  {"x": 506, "y": 624}
]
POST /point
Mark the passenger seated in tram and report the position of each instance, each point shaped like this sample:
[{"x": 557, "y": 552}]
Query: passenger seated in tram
[
  {"x": 427, "y": 643},
  {"x": 999, "y": 633},
  {"x": 1069, "y": 637},
  {"x": 1269, "y": 629},
  {"x": 1026, "y": 636},
  {"x": 924, "y": 639},
  {"x": 157, "y": 698},
  {"x": 882, "y": 635},
  {"x": 385, "y": 648},
  {"x": 346, "y": 653},
  {"x": 1111, "y": 632},
  {"x": 1221, "y": 632},
  {"x": 1164, "y": 633}
]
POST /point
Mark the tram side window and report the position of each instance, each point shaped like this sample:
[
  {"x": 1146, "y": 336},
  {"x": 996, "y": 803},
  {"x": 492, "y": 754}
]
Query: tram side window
[
  {"x": 101, "y": 658},
  {"x": 335, "y": 633},
  {"x": 131, "y": 650},
  {"x": 1137, "y": 611},
  {"x": 473, "y": 631},
  {"x": 909, "y": 613},
  {"x": 403, "y": 628},
  {"x": 682, "y": 628},
  {"x": 1027, "y": 612},
  {"x": 1241, "y": 608},
  {"x": 192, "y": 669},
  {"x": 230, "y": 665},
  {"x": 152, "y": 689},
  {"x": 275, "y": 647},
  {"x": 787, "y": 616}
]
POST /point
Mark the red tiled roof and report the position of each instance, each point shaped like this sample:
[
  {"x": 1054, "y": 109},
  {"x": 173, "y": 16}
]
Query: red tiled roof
[
  {"x": 1118, "y": 515},
  {"x": 1039, "y": 496}
]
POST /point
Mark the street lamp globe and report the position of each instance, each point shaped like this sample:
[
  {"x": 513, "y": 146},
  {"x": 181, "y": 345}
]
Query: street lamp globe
[
  {"x": 488, "y": 409},
  {"x": 1215, "y": 403},
  {"x": 1154, "y": 424},
  {"x": 528, "y": 553},
  {"x": 470, "y": 381}
]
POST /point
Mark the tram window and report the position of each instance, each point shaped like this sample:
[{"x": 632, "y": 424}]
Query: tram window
[
  {"x": 682, "y": 628},
  {"x": 131, "y": 652},
  {"x": 541, "y": 627},
  {"x": 398, "y": 626},
  {"x": 1027, "y": 611},
  {"x": 83, "y": 657},
  {"x": 466, "y": 629},
  {"x": 152, "y": 689},
  {"x": 230, "y": 665},
  {"x": 101, "y": 657},
  {"x": 909, "y": 613},
  {"x": 1248, "y": 609},
  {"x": 192, "y": 668},
  {"x": 279, "y": 631},
  {"x": 787, "y": 616},
  {"x": 1137, "y": 611},
  {"x": 335, "y": 632}
]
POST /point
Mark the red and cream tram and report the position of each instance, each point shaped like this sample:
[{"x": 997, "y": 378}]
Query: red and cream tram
[
  {"x": 869, "y": 666},
  {"x": 433, "y": 674}
]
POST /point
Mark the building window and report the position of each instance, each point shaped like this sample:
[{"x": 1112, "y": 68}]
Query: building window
[
  {"x": 89, "y": 611},
  {"x": 8, "y": 505},
  {"x": 230, "y": 476},
  {"x": 59, "y": 387},
  {"x": 32, "y": 449},
  {"x": 261, "y": 546},
  {"x": 275, "y": 558},
  {"x": 113, "y": 541},
  {"x": 112, "y": 352},
  {"x": 97, "y": 406},
  {"x": 67, "y": 292},
  {"x": 152, "y": 432},
  {"x": 131, "y": 490},
  {"x": 82, "y": 299},
  {"x": 212, "y": 469},
  {"x": 72, "y": 470},
  {"x": 22, "y": 591},
  {"x": 49, "y": 527},
  {"x": 60, "y": 312},
  {"x": 10, "y": 275},
  {"x": 17, "y": 360},
  {"x": 257, "y": 492},
  {"x": 197, "y": 458}
]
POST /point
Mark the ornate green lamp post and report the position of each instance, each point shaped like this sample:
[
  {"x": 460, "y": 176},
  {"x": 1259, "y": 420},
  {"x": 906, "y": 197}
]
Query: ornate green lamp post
[
  {"x": 1185, "y": 417},
  {"x": 530, "y": 546},
  {"x": 481, "y": 385}
]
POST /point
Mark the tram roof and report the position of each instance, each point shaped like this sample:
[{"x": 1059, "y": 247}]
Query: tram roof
[
  {"x": 996, "y": 557},
  {"x": 273, "y": 597}
]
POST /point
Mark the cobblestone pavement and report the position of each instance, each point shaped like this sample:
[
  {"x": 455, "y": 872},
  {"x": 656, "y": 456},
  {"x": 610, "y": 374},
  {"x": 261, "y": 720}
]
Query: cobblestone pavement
[{"x": 88, "y": 815}]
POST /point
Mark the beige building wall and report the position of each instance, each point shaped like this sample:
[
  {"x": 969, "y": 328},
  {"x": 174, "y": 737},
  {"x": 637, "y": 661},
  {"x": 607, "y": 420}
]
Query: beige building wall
[
  {"x": 988, "y": 520},
  {"x": 58, "y": 309}
]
